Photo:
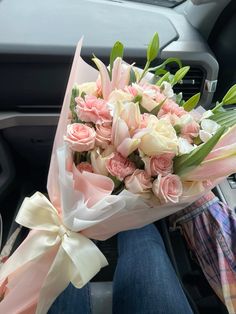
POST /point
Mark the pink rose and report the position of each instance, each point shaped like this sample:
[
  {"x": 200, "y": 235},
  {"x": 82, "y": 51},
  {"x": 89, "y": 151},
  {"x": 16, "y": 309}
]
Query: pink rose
[
  {"x": 92, "y": 109},
  {"x": 159, "y": 164},
  {"x": 103, "y": 135},
  {"x": 120, "y": 167},
  {"x": 144, "y": 120},
  {"x": 80, "y": 137},
  {"x": 168, "y": 188},
  {"x": 170, "y": 106},
  {"x": 138, "y": 182},
  {"x": 190, "y": 130},
  {"x": 171, "y": 117},
  {"x": 84, "y": 166}
]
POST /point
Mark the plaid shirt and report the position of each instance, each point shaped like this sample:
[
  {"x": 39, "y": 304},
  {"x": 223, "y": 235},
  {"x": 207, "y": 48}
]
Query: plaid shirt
[{"x": 209, "y": 228}]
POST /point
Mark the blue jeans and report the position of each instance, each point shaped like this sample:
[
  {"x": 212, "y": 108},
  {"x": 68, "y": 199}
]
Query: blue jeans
[{"x": 144, "y": 282}]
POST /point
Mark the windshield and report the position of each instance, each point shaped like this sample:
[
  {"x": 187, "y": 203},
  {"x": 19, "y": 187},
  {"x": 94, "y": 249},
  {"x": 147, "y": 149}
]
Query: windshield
[{"x": 163, "y": 3}]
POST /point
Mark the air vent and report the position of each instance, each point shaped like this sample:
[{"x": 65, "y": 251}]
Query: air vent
[{"x": 192, "y": 83}]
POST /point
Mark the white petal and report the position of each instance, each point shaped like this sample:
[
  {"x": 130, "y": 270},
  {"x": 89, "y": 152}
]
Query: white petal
[
  {"x": 209, "y": 126},
  {"x": 204, "y": 136},
  {"x": 206, "y": 114},
  {"x": 184, "y": 146},
  {"x": 167, "y": 89},
  {"x": 185, "y": 119}
]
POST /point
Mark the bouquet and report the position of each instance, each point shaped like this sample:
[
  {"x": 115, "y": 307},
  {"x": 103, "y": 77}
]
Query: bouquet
[{"x": 128, "y": 151}]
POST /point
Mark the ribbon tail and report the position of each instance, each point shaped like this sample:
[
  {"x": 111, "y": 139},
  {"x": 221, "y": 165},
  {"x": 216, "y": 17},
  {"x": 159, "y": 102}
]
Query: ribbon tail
[
  {"x": 78, "y": 260},
  {"x": 57, "y": 279},
  {"x": 87, "y": 259}
]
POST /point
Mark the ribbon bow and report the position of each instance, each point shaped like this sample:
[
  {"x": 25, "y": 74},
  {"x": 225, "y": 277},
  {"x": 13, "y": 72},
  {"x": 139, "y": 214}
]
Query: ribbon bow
[{"x": 77, "y": 259}]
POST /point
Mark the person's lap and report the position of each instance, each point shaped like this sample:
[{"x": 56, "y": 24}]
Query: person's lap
[{"x": 144, "y": 280}]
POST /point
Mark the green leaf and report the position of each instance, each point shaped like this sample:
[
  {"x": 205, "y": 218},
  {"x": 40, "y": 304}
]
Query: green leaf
[
  {"x": 230, "y": 97},
  {"x": 187, "y": 162},
  {"x": 77, "y": 158},
  {"x": 226, "y": 118},
  {"x": 83, "y": 94},
  {"x": 142, "y": 109},
  {"x": 164, "y": 78},
  {"x": 192, "y": 102},
  {"x": 179, "y": 99},
  {"x": 137, "y": 98},
  {"x": 116, "y": 181},
  {"x": 136, "y": 158},
  {"x": 116, "y": 51},
  {"x": 165, "y": 63},
  {"x": 177, "y": 128},
  {"x": 158, "y": 107},
  {"x": 74, "y": 94},
  {"x": 179, "y": 75},
  {"x": 160, "y": 72},
  {"x": 133, "y": 78},
  {"x": 153, "y": 48}
]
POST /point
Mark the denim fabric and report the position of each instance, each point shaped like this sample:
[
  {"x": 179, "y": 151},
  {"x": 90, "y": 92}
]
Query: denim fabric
[
  {"x": 144, "y": 281},
  {"x": 73, "y": 301}
]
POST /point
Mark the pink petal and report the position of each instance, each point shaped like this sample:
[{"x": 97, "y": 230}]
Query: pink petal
[
  {"x": 120, "y": 132},
  {"x": 93, "y": 186},
  {"x": 120, "y": 74},
  {"x": 213, "y": 169},
  {"x": 105, "y": 79},
  {"x": 128, "y": 146},
  {"x": 116, "y": 73},
  {"x": 228, "y": 138}
]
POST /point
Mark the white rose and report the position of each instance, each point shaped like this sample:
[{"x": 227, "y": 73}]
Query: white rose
[
  {"x": 119, "y": 95},
  {"x": 161, "y": 138},
  {"x": 88, "y": 88}
]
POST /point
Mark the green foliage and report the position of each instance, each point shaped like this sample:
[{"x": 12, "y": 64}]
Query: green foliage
[
  {"x": 187, "y": 162},
  {"x": 153, "y": 48},
  {"x": 230, "y": 97},
  {"x": 192, "y": 102},
  {"x": 179, "y": 75},
  {"x": 116, "y": 52},
  {"x": 74, "y": 94},
  {"x": 225, "y": 118},
  {"x": 164, "y": 78}
]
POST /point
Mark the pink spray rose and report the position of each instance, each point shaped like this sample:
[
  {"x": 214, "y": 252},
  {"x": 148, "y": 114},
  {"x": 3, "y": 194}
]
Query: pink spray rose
[
  {"x": 103, "y": 135},
  {"x": 131, "y": 90},
  {"x": 168, "y": 188},
  {"x": 144, "y": 120},
  {"x": 80, "y": 137},
  {"x": 85, "y": 166},
  {"x": 159, "y": 164},
  {"x": 92, "y": 109},
  {"x": 170, "y": 106},
  {"x": 190, "y": 130},
  {"x": 120, "y": 167},
  {"x": 138, "y": 182}
]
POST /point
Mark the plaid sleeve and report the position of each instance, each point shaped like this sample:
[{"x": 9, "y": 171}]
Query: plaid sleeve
[{"x": 209, "y": 228}]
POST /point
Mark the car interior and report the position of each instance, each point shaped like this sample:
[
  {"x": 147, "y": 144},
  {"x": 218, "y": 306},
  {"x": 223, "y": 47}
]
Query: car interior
[{"x": 37, "y": 44}]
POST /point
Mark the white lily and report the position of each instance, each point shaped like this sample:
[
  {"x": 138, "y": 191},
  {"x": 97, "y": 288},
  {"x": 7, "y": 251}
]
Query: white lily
[{"x": 208, "y": 128}]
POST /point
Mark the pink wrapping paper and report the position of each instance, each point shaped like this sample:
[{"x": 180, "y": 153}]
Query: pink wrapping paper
[{"x": 106, "y": 218}]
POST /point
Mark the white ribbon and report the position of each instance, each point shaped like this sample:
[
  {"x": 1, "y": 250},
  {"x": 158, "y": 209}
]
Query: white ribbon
[{"x": 77, "y": 259}]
